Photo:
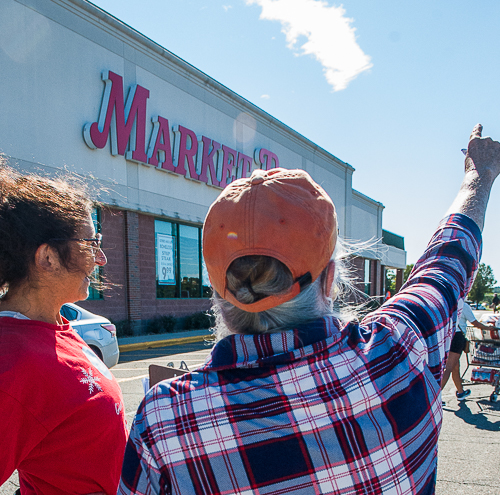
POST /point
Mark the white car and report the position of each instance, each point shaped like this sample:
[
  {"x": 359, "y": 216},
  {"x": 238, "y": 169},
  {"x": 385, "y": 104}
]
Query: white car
[{"x": 98, "y": 332}]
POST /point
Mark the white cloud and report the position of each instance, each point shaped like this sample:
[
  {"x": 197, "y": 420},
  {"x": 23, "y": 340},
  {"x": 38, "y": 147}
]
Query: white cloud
[
  {"x": 265, "y": 97},
  {"x": 330, "y": 38},
  {"x": 227, "y": 7}
]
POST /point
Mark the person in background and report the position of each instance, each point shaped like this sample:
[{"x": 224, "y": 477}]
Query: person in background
[
  {"x": 63, "y": 422},
  {"x": 458, "y": 345},
  {"x": 495, "y": 302},
  {"x": 295, "y": 398}
]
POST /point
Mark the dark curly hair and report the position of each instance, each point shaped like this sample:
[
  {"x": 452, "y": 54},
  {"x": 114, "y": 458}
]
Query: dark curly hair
[{"x": 34, "y": 210}]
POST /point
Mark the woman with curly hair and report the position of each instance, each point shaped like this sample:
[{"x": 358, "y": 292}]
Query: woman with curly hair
[{"x": 63, "y": 423}]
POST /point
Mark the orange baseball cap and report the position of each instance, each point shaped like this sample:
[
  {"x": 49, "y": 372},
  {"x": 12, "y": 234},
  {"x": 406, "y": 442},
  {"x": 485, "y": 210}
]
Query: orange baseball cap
[{"x": 279, "y": 213}]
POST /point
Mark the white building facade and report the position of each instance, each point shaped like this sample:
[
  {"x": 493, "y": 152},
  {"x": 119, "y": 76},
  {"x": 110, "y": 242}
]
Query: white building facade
[{"x": 158, "y": 140}]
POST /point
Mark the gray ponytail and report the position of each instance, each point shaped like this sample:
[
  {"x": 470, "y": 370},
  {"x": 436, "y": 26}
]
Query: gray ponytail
[{"x": 253, "y": 277}]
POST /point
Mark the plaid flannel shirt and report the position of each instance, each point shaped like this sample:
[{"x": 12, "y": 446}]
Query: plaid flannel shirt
[{"x": 319, "y": 409}]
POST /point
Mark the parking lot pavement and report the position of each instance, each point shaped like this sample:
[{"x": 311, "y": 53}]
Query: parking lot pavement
[
  {"x": 130, "y": 372},
  {"x": 141, "y": 342},
  {"x": 469, "y": 443},
  {"x": 10, "y": 486}
]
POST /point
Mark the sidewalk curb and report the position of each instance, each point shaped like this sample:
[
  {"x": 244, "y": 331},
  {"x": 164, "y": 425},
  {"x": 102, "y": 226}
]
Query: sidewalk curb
[{"x": 162, "y": 343}]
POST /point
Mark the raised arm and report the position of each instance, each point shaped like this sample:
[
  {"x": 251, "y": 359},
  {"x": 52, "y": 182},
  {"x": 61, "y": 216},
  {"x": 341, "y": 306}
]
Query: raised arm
[
  {"x": 430, "y": 301},
  {"x": 482, "y": 166}
]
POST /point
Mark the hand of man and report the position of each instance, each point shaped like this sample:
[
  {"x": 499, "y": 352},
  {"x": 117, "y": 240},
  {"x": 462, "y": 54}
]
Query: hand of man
[
  {"x": 483, "y": 155},
  {"x": 482, "y": 166}
]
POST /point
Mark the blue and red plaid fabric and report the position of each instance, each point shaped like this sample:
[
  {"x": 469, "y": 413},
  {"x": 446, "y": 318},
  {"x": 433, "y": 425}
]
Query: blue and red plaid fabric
[{"x": 320, "y": 409}]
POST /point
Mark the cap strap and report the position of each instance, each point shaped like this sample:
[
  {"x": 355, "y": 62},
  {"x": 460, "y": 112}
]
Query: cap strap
[
  {"x": 266, "y": 303},
  {"x": 304, "y": 281}
]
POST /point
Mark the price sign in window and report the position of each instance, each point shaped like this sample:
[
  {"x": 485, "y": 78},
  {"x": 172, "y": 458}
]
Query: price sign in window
[
  {"x": 180, "y": 271},
  {"x": 165, "y": 259}
]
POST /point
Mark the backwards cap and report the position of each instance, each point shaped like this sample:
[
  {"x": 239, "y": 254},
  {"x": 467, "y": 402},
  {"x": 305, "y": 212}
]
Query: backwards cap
[{"x": 279, "y": 213}]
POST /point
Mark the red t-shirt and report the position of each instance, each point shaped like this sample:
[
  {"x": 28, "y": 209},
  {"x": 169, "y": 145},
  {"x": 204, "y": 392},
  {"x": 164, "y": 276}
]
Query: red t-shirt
[{"x": 62, "y": 414}]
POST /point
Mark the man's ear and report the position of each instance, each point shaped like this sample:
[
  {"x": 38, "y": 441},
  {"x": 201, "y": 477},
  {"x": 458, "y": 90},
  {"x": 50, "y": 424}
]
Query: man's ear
[
  {"x": 46, "y": 259},
  {"x": 330, "y": 274}
]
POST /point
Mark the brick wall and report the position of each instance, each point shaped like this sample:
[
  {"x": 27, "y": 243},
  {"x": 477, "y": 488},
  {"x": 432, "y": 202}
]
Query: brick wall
[
  {"x": 399, "y": 279},
  {"x": 147, "y": 266},
  {"x": 382, "y": 279},
  {"x": 114, "y": 304},
  {"x": 129, "y": 245},
  {"x": 358, "y": 265},
  {"x": 132, "y": 264},
  {"x": 181, "y": 307},
  {"x": 375, "y": 278}
]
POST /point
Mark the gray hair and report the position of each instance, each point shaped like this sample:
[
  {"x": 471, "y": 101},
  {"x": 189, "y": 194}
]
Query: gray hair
[{"x": 310, "y": 304}]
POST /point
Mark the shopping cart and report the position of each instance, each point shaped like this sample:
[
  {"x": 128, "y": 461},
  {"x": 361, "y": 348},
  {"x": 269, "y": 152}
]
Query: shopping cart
[{"x": 485, "y": 354}]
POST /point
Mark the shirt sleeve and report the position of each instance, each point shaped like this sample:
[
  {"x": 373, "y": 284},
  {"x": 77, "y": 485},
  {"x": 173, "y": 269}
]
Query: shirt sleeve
[
  {"x": 468, "y": 314},
  {"x": 426, "y": 307},
  {"x": 140, "y": 472}
]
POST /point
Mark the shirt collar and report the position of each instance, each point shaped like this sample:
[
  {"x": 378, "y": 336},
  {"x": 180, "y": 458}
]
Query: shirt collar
[
  {"x": 250, "y": 351},
  {"x": 13, "y": 314}
]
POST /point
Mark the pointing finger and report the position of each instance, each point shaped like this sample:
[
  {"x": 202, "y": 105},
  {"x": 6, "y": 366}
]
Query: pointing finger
[{"x": 476, "y": 132}]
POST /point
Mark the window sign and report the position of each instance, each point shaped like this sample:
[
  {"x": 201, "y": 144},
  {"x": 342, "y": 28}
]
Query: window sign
[
  {"x": 165, "y": 256},
  {"x": 189, "y": 244},
  {"x": 180, "y": 271}
]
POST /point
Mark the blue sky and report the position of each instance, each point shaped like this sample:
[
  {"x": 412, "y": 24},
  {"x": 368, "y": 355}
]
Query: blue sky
[{"x": 392, "y": 88}]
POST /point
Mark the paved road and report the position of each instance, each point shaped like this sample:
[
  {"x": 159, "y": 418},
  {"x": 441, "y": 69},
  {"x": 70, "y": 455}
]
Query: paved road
[
  {"x": 469, "y": 445},
  {"x": 130, "y": 372}
]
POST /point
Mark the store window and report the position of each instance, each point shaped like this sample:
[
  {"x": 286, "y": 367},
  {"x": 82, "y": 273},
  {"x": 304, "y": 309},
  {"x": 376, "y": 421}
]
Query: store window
[
  {"x": 95, "y": 289},
  {"x": 180, "y": 271},
  {"x": 367, "y": 278}
]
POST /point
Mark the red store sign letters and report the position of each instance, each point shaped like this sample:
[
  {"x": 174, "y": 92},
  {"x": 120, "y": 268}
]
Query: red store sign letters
[{"x": 190, "y": 156}]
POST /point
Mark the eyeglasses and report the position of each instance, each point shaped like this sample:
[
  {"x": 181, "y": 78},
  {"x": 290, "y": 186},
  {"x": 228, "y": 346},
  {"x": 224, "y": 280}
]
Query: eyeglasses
[{"x": 95, "y": 243}]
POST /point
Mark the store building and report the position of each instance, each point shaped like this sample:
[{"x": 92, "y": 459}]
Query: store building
[{"x": 159, "y": 140}]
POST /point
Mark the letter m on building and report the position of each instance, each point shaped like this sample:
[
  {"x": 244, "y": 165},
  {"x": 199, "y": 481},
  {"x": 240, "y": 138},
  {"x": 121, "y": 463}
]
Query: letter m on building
[{"x": 120, "y": 120}]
